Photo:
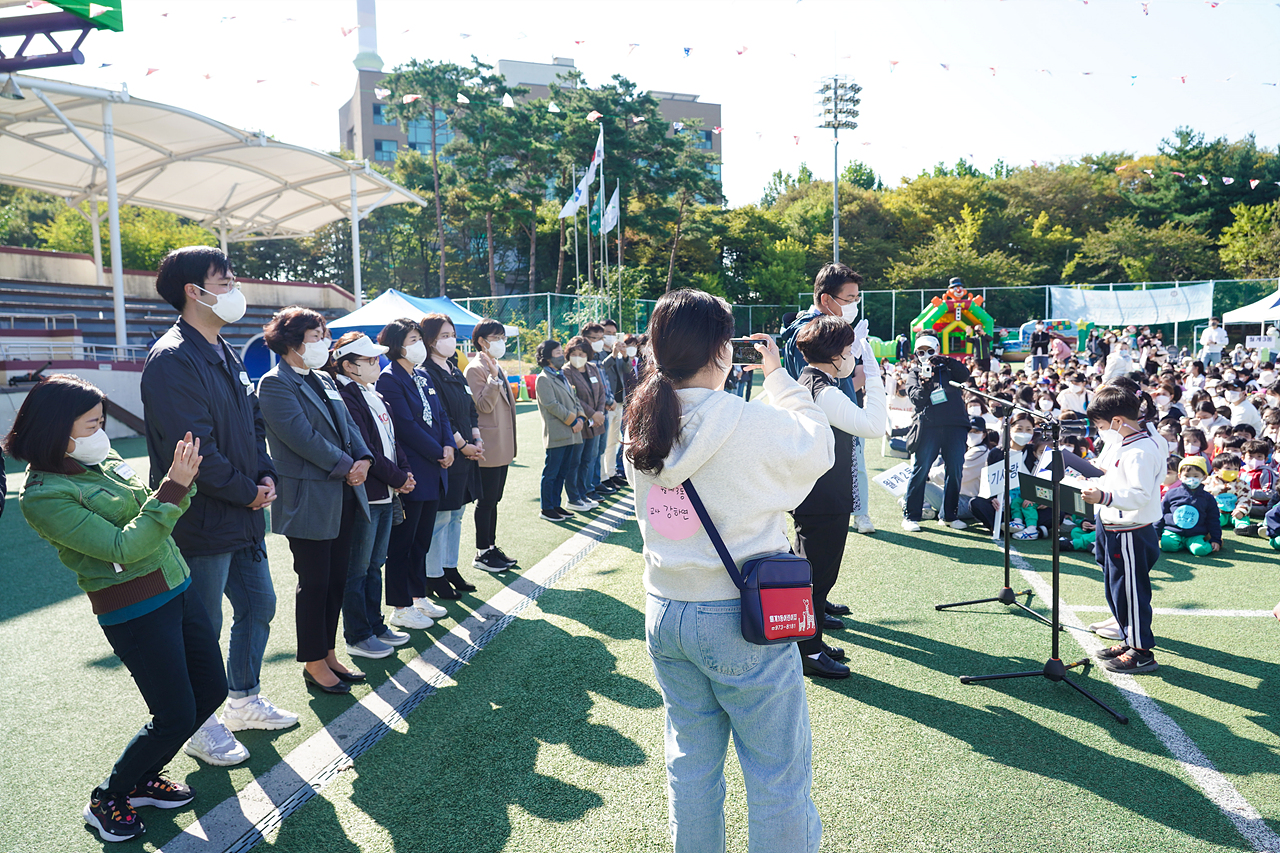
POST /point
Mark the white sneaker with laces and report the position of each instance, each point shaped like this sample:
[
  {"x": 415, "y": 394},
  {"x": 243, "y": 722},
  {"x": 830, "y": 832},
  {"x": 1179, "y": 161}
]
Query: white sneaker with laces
[
  {"x": 257, "y": 713},
  {"x": 583, "y": 505},
  {"x": 910, "y": 526},
  {"x": 213, "y": 743},
  {"x": 410, "y": 617},
  {"x": 429, "y": 607},
  {"x": 956, "y": 524},
  {"x": 865, "y": 525},
  {"x": 1109, "y": 622}
]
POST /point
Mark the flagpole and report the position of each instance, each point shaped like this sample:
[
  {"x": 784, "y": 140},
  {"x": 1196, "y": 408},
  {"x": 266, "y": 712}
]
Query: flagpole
[
  {"x": 577, "y": 273},
  {"x": 604, "y": 240},
  {"x": 617, "y": 191}
]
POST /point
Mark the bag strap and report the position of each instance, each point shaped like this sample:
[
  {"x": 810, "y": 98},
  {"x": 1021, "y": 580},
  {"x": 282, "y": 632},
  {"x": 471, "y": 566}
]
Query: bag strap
[{"x": 725, "y": 557}]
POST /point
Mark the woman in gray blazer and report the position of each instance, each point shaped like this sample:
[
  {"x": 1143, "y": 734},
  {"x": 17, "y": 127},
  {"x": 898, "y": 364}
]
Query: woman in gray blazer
[
  {"x": 322, "y": 461},
  {"x": 562, "y": 423}
]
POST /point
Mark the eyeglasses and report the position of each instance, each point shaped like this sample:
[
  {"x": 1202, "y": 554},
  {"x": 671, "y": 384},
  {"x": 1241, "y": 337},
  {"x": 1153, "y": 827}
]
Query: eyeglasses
[
  {"x": 924, "y": 352},
  {"x": 852, "y": 301}
]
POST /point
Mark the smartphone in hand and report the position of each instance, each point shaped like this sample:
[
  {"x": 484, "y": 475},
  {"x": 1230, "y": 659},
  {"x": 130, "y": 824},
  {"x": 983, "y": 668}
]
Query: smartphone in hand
[{"x": 745, "y": 352}]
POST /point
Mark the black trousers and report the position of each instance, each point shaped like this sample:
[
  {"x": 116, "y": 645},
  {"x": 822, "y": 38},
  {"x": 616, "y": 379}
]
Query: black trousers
[
  {"x": 406, "y": 572},
  {"x": 173, "y": 655},
  {"x": 493, "y": 481},
  {"x": 321, "y": 566},
  {"x": 820, "y": 539}
]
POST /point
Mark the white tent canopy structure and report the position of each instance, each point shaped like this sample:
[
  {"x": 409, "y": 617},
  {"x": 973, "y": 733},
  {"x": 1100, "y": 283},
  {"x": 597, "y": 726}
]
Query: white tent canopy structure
[
  {"x": 83, "y": 143},
  {"x": 1265, "y": 310}
]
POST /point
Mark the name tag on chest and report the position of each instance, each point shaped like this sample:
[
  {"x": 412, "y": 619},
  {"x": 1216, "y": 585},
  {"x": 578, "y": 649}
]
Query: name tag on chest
[
  {"x": 595, "y": 381},
  {"x": 244, "y": 381},
  {"x": 332, "y": 394},
  {"x": 124, "y": 471},
  {"x": 939, "y": 395}
]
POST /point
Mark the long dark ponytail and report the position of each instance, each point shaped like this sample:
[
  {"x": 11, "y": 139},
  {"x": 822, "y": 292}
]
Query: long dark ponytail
[{"x": 687, "y": 331}]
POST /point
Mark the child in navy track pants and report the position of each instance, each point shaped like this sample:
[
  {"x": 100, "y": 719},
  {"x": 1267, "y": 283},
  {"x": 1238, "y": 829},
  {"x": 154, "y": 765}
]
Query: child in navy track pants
[{"x": 1127, "y": 496}]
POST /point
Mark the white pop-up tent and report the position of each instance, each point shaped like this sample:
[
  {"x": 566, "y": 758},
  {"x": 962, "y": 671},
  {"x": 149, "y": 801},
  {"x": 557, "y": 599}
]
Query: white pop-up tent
[
  {"x": 84, "y": 144},
  {"x": 1265, "y": 310}
]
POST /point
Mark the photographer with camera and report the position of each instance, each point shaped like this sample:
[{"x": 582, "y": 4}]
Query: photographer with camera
[{"x": 940, "y": 427}]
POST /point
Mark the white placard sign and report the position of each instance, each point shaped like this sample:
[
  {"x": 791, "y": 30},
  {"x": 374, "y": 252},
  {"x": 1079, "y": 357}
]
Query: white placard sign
[
  {"x": 991, "y": 483},
  {"x": 1257, "y": 341},
  {"x": 896, "y": 479}
]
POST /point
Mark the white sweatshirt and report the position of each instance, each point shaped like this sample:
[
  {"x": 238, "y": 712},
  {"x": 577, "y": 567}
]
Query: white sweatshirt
[
  {"x": 848, "y": 416},
  {"x": 1130, "y": 481},
  {"x": 751, "y": 463}
]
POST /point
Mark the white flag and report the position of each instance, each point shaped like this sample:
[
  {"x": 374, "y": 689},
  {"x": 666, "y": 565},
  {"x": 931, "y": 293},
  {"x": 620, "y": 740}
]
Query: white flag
[
  {"x": 610, "y": 219},
  {"x": 580, "y": 192}
]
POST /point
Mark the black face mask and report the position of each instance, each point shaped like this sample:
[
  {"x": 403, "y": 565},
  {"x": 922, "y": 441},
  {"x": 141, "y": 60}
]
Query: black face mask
[{"x": 557, "y": 361}]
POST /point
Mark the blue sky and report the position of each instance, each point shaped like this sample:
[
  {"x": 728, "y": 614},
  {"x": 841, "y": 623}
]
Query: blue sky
[{"x": 1070, "y": 78}]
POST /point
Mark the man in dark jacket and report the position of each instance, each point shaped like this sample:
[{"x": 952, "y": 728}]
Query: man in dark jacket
[
  {"x": 943, "y": 425},
  {"x": 1039, "y": 347},
  {"x": 194, "y": 381}
]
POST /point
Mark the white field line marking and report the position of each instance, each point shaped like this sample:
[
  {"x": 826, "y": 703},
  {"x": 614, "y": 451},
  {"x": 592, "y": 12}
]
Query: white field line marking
[
  {"x": 1246, "y": 819},
  {"x": 240, "y": 822},
  {"x": 1180, "y": 611}
]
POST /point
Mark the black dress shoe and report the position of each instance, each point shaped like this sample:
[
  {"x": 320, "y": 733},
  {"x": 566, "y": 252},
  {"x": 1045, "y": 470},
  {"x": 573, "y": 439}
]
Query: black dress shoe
[
  {"x": 837, "y": 609},
  {"x": 440, "y": 588},
  {"x": 351, "y": 676},
  {"x": 833, "y": 652},
  {"x": 831, "y": 623},
  {"x": 340, "y": 687},
  {"x": 824, "y": 667}
]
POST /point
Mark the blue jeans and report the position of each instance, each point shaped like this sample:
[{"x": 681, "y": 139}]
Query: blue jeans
[
  {"x": 1212, "y": 358},
  {"x": 584, "y": 479},
  {"x": 933, "y": 494},
  {"x": 445, "y": 541},
  {"x": 950, "y": 442},
  {"x": 244, "y": 577},
  {"x": 715, "y": 684},
  {"x": 555, "y": 473},
  {"x": 362, "y": 598},
  {"x": 1039, "y": 362}
]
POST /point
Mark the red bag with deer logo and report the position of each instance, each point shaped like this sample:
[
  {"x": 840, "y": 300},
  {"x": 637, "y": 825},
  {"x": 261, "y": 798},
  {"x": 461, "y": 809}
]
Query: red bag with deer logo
[{"x": 776, "y": 589}]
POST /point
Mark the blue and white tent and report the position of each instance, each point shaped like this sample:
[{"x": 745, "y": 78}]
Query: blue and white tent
[{"x": 393, "y": 304}]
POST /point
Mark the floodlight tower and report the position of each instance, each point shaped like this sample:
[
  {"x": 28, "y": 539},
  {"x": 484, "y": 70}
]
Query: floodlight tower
[{"x": 836, "y": 101}]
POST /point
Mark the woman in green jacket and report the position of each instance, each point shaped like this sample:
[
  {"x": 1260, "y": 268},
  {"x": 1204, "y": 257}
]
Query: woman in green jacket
[{"x": 113, "y": 532}]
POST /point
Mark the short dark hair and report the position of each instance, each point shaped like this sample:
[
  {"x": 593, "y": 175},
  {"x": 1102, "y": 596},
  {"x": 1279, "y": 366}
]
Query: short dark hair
[
  {"x": 580, "y": 343},
  {"x": 824, "y": 338},
  {"x": 543, "y": 354},
  {"x": 43, "y": 426},
  {"x": 288, "y": 326},
  {"x": 831, "y": 278},
  {"x": 486, "y": 327},
  {"x": 1111, "y": 402},
  {"x": 1226, "y": 460},
  {"x": 393, "y": 336},
  {"x": 1256, "y": 447},
  {"x": 1247, "y": 429},
  {"x": 592, "y": 328},
  {"x": 432, "y": 325},
  {"x": 609, "y": 321},
  {"x": 188, "y": 265}
]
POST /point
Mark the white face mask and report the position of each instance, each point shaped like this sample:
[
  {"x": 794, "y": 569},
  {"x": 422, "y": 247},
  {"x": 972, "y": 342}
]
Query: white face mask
[
  {"x": 497, "y": 349},
  {"x": 847, "y": 364},
  {"x": 1266, "y": 377},
  {"x": 1191, "y": 448},
  {"x": 1022, "y": 439},
  {"x": 91, "y": 449},
  {"x": 229, "y": 307},
  {"x": 975, "y": 411},
  {"x": 1045, "y": 405},
  {"x": 850, "y": 312},
  {"x": 362, "y": 372},
  {"x": 315, "y": 354},
  {"x": 1234, "y": 396},
  {"x": 1230, "y": 377},
  {"x": 1252, "y": 464},
  {"x": 975, "y": 438},
  {"x": 578, "y": 361},
  {"x": 1076, "y": 389},
  {"x": 1162, "y": 400},
  {"x": 446, "y": 346},
  {"x": 597, "y": 346},
  {"x": 610, "y": 340},
  {"x": 1192, "y": 482},
  {"x": 416, "y": 352},
  {"x": 631, "y": 352}
]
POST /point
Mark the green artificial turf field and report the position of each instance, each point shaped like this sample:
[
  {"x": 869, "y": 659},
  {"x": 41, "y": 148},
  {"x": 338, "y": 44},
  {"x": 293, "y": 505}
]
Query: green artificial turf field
[{"x": 550, "y": 737}]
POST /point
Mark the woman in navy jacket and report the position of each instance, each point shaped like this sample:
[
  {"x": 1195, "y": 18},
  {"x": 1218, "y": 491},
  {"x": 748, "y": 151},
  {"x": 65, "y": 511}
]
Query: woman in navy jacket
[{"x": 423, "y": 430}]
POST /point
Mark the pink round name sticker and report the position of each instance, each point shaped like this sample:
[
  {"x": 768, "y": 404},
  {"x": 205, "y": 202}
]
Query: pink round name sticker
[{"x": 671, "y": 514}]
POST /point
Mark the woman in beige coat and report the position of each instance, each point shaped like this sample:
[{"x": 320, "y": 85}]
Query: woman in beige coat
[
  {"x": 590, "y": 387},
  {"x": 492, "y": 396}
]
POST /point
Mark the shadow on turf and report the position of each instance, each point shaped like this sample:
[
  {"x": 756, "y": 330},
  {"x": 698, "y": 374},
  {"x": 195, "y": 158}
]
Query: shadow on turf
[
  {"x": 1260, "y": 698},
  {"x": 1018, "y": 742}
]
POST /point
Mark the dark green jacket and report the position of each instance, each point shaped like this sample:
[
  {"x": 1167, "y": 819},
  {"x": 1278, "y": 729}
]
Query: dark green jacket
[{"x": 110, "y": 529}]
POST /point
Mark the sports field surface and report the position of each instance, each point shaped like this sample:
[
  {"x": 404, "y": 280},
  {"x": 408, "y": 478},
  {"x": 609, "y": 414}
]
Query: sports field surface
[{"x": 529, "y": 719}]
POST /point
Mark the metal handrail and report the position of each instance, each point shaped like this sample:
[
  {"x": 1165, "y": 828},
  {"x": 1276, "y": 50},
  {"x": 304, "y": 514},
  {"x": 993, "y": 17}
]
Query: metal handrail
[
  {"x": 52, "y": 351},
  {"x": 47, "y": 318}
]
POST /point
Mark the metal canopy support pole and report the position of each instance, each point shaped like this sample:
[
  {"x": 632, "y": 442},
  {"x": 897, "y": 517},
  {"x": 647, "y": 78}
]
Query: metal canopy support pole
[
  {"x": 355, "y": 243},
  {"x": 113, "y": 217},
  {"x": 95, "y": 222},
  {"x": 222, "y": 235},
  {"x": 835, "y": 196}
]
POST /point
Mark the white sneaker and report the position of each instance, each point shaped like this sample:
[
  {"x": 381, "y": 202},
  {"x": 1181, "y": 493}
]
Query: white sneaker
[
  {"x": 410, "y": 617},
  {"x": 910, "y": 526},
  {"x": 865, "y": 525},
  {"x": 1111, "y": 632},
  {"x": 583, "y": 505},
  {"x": 213, "y": 743},
  {"x": 257, "y": 713},
  {"x": 955, "y": 524},
  {"x": 429, "y": 607},
  {"x": 1109, "y": 622}
]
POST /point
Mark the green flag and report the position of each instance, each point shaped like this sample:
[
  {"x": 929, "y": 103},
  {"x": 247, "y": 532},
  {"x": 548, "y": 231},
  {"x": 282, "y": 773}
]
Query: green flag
[
  {"x": 104, "y": 14},
  {"x": 594, "y": 218}
]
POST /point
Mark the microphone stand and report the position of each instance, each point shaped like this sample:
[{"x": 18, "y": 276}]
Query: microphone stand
[
  {"x": 1054, "y": 669},
  {"x": 1006, "y": 595}
]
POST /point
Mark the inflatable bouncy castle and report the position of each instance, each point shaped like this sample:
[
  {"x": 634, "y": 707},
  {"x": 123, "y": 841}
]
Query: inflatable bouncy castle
[{"x": 951, "y": 318}]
